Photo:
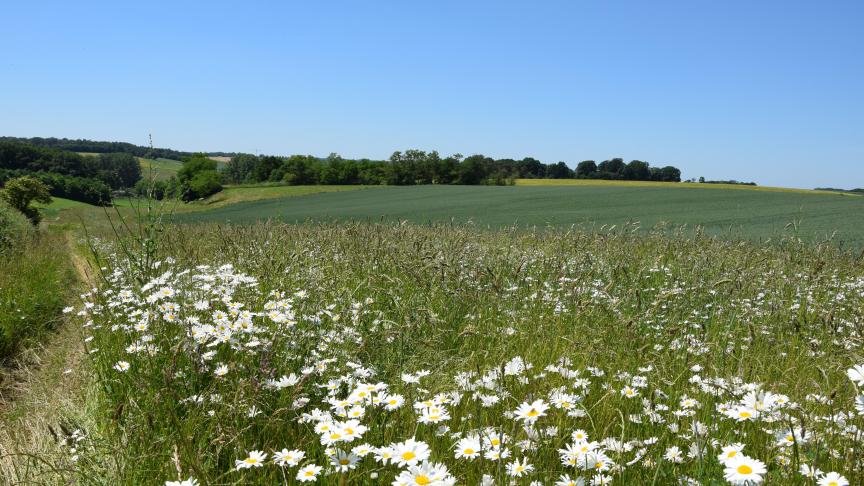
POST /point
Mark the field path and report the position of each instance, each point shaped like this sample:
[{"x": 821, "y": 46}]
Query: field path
[{"x": 47, "y": 385}]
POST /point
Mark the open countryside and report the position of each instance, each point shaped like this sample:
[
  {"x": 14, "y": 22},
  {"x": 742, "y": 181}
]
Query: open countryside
[
  {"x": 432, "y": 244},
  {"x": 745, "y": 213}
]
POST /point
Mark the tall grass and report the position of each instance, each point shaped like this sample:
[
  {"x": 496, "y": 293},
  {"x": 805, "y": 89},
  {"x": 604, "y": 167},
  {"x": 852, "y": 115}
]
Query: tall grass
[
  {"x": 35, "y": 279},
  {"x": 15, "y": 228},
  {"x": 254, "y": 338}
]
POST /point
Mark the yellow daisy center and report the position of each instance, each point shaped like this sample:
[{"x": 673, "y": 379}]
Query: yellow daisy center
[
  {"x": 469, "y": 451},
  {"x": 407, "y": 456},
  {"x": 421, "y": 479},
  {"x": 744, "y": 469},
  {"x": 533, "y": 412}
]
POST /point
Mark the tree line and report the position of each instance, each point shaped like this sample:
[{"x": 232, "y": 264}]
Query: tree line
[
  {"x": 848, "y": 191},
  {"x": 420, "y": 167},
  {"x": 70, "y": 175},
  {"x": 92, "y": 178},
  {"x": 100, "y": 147}
]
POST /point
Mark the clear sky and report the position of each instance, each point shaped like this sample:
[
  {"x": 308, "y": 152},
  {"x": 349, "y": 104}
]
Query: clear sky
[{"x": 752, "y": 90}]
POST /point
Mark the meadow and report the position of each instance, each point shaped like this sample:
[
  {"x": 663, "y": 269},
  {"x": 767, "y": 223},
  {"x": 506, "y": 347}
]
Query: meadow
[
  {"x": 738, "y": 213},
  {"x": 159, "y": 169},
  {"x": 389, "y": 353},
  {"x": 463, "y": 351}
]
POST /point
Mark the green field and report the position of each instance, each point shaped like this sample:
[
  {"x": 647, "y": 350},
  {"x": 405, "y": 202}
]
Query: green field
[
  {"x": 678, "y": 185},
  {"x": 665, "y": 351},
  {"x": 560, "y": 356},
  {"x": 161, "y": 168},
  {"x": 737, "y": 213},
  {"x": 237, "y": 194}
]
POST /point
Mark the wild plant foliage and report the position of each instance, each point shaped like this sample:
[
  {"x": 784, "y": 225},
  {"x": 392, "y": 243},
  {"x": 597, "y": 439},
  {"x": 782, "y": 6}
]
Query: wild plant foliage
[{"x": 377, "y": 354}]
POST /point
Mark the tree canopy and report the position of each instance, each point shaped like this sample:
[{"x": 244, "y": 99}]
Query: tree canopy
[
  {"x": 198, "y": 178},
  {"x": 414, "y": 166},
  {"x": 20, "y": 192},
  {"x": 68, "y": 174}
]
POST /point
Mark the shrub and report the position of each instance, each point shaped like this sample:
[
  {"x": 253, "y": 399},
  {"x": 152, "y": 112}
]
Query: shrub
[
  {"x": 198, "y": 178},
  {"x": 202, "y": 184},
  {"x": 22, "y": 191},
  {"x": 14, "y": 228}
]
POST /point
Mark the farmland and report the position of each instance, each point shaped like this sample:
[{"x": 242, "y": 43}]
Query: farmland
[
  {"x": 162, "y": 169},
  {"x": 388, "y": 334},
  {"x": 730, "y": 212},
  {"x": 239, "y": 194},
  {"x": 159, "y": 169},
  {"x": 354, "y": 348},
  {"x": 432, "y": 244},
  {"x": 358, "y": 348}
]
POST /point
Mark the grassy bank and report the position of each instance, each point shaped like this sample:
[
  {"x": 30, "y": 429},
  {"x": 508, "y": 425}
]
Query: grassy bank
[
  {"x": 34, "y": 281},
  {"x": 34, "y": 287},
  {"x": 259, "y": 192}
]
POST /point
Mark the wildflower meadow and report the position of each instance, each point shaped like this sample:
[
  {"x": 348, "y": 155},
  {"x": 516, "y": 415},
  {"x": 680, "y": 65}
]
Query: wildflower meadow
[{"x": 438, "y": 355}]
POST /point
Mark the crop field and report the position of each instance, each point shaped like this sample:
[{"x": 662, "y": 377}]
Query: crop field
[
  {"x": 361, "y": 353},
  {"x": 689, "y": 185},
  {"x": 734, "y": 213}
]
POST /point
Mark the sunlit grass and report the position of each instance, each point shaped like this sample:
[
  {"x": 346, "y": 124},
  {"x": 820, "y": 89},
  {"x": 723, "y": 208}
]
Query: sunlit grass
[
  {"x": 243, "y": 193},
  {"x": 159, "y": 169},
  {"x": 34, "y": 283},
  {"x": 665, "y": 316}
]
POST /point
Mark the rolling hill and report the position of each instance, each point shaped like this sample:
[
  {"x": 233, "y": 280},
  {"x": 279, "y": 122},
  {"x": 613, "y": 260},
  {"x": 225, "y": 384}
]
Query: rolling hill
[{"x": 737, "y": 213}]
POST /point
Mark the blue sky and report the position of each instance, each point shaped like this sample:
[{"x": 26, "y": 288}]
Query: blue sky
[{"x": 765, "y": 91}]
